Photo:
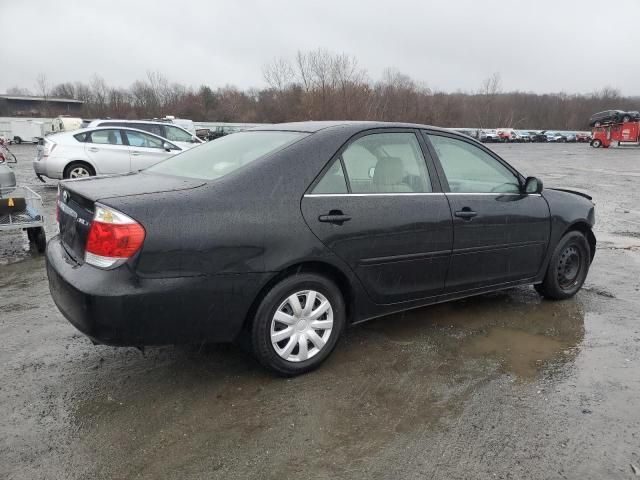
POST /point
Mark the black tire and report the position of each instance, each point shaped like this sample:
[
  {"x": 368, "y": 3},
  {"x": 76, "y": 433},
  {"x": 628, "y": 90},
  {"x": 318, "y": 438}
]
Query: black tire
[
  {"x": 18, "y": 140},
  {"x": 597, "y": 143},
  {"x": 568, "y": 267},
  {"x": 626, "y": 119},
  {"x": 597, "y": 124},
  {"x": 69, "y": 169},
  {"x": 260, "y": 333}
]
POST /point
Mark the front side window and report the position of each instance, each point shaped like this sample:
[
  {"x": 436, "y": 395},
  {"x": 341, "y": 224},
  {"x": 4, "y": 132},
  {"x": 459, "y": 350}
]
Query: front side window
[
  {"x": 139, "y": 139},
  {"x": 176, "y": 134},
  {"x": 469, "y": 169},
  {"x": 386, "y": 163},
  {"x": 107, "y": 137},
  {"x": 222, "y": 156}
]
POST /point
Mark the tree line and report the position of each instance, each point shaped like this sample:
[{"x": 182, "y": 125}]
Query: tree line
[{"x": 321, "y": 85}]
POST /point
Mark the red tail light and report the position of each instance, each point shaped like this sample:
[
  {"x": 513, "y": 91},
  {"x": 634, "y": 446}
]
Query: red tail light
[{"x": 113, "y": 237}]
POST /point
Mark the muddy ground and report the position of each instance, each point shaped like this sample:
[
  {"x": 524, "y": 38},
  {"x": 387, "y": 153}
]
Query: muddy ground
[{"x": 499, "y": 386}]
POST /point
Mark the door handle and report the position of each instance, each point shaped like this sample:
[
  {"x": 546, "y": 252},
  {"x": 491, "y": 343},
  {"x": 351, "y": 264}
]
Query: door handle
[
  {"x": 466, "y": 213},
  {"x": 335, "y": 216},
  {"x": 134, "y": 153},
  {"x": 94, "y": 149}
]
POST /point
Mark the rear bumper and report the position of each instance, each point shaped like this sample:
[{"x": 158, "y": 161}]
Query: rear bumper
[{"x": 116, "y": 307}]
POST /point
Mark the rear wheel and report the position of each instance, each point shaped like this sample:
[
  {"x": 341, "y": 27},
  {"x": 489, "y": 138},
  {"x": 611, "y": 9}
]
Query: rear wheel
[
  {"x": 596, "y": 143},
  {"x": 626, "y": 119},
  {"x": 78, "y": 170},
  {"x": 298, "y": 323},
  {"x": 567, "y": 268}
]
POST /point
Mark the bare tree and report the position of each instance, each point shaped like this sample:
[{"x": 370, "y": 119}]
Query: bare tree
[
  {"x": 18, "y": 91},
  {"x": 43, "y": 87}
]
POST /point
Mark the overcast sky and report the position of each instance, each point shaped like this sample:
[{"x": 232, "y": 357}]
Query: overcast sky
[{"x": 536, "y": 45}]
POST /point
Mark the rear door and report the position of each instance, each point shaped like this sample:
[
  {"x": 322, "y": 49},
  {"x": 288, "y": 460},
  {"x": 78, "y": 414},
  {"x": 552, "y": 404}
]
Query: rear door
[
  {"x": 147, "y": 150},
  {"x": 500, "y": 233},
  {"x": 378, "y": 206},
  {"x": 107, "y": 151}
]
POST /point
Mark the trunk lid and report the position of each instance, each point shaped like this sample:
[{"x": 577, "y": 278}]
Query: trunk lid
[{"x": 77, "y": 200}]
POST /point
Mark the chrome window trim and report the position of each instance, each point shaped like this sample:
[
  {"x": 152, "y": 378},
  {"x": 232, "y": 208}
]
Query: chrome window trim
[
  {"x": 410, "y": 194},
  {"x": 413, "y": 194}
]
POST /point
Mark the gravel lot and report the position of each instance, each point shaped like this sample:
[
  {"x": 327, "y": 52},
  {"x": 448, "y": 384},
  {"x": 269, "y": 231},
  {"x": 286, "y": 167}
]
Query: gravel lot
[{"x": 499, "y": 386}]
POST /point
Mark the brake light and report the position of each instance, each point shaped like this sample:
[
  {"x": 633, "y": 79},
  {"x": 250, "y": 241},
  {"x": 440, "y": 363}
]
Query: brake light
[
  {"x": 48, "y": 149},
  {"x": 113, "y": 237}
]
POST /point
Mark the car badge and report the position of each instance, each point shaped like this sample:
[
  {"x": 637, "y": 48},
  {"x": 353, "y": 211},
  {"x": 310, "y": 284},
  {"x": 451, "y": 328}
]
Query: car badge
[{"x": 65, "y": 196}]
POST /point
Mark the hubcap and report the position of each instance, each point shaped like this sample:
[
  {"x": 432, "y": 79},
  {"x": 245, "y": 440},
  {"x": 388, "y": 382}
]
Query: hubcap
[
  {"x": 569, "y": 267},
  {"x": 79, "y": 172},
  {"x": 301, "y": 326}
]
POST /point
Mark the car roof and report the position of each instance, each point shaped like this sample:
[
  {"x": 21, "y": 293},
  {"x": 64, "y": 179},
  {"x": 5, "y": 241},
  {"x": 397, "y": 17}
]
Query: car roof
[
  {"x": 148, "y": 122},
  {"x": 107, "y": 127},
  {"x": 316, "y": 126}
]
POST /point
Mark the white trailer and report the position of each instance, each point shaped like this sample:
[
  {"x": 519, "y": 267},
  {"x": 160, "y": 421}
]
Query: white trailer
[{"x": 27, "y": 131}]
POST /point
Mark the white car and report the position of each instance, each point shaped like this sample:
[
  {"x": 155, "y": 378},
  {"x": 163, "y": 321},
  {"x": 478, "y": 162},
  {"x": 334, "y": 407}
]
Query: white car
[
  {"x": 168, "y": 130},
  {"x": 100, "y": 151}
]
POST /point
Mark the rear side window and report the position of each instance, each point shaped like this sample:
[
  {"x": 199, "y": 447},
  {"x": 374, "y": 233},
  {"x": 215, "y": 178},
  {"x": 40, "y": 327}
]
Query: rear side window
[
  {"x": 108, "y": 137},
  {"x": 332, "y": 181},
  {"x": 222, "y": 156},
  {"x": 386, "y": 163}
]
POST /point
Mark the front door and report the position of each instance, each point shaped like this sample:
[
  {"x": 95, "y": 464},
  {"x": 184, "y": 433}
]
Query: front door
[
  {"x": 376, "y": 207},
  {"x": 501, "y": 234},
  {"x": 108, "y": 152},
  {"x": 147, "y": 150}
]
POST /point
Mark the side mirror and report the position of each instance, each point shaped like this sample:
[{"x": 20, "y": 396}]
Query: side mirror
[
  {"x": 166, "y": 146},
  {"x": 532, "y": 185},
  {"x": 372, "y": 171}
]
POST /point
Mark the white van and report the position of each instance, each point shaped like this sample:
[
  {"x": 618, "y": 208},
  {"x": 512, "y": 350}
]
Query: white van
[{"x": 63, "y": 123}]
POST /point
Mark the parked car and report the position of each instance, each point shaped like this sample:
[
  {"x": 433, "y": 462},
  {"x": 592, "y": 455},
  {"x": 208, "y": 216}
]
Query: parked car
[
  {"x": 540, "y": 136},
  {"x": 583, "y": 137},
  {"x": 632, "y": 116},
  {"x": 524, "y": 136},
  {"x": 570, "y": 137},
  {"x": 284, "y": 234},
  {"x": 165, "y": 129},
  {"x": 555, "y": 137},
  {"x": 490, "y": 136},
  {"x": 97, "y": 151},
  {"x": 507, "y": 135},
  {"x": 608, "y": 116}
]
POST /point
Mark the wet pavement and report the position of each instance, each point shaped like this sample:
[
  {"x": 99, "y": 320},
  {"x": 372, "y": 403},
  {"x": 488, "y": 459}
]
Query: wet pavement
[{"x": 498, "y": 386}]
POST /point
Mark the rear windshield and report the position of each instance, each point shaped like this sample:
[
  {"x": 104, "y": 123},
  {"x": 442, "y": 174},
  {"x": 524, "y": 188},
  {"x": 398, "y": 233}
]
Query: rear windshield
[{"x": 222, "y": 156}]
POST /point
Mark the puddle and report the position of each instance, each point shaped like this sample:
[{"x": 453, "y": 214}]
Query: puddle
[{"x": 519, "y": 353}]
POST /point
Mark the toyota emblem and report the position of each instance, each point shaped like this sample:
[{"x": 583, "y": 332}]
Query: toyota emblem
[{"x": 65, "y": 196}]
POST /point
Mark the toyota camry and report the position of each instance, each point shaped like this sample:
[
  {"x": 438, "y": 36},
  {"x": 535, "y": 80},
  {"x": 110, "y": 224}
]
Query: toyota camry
[{"x": 285, "y": 234}]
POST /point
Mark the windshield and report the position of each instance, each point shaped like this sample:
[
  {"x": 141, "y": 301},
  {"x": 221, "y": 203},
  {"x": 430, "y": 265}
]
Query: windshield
[{"x": 222, "y": 156}]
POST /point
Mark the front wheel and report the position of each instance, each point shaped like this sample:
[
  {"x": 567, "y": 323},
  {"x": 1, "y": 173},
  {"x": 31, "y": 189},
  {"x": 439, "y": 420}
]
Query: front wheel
[
  {"x": 568, "y": 267},
  {"x": 298, "y": 324},
  {"x": 596, "y": 143}
]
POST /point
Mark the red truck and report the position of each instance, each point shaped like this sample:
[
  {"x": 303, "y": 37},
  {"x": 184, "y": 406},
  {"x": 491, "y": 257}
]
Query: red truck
[{"x": 628, "y": 132}]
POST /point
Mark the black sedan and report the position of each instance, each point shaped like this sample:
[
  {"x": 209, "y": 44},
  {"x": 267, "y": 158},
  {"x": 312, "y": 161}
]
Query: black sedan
[{"x": 284, "y": 234}]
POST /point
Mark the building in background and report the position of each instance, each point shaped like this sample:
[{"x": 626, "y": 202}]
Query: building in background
[{"x": 30, "y": 106}]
